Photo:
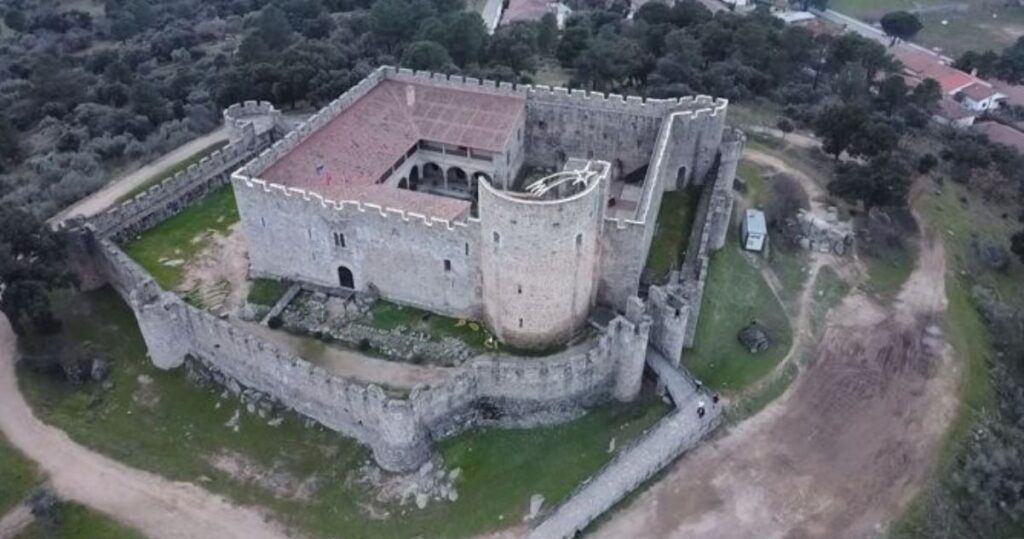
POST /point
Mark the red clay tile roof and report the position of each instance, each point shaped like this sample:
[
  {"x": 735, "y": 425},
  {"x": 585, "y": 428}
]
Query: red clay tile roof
[
  {"x": 344, "y": 159},
  {"x": 979, "y": 91},
  {"x": 928, "y": 66}
]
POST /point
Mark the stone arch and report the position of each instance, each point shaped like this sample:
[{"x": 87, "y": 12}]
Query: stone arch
[
  {"x": 403, "y": 183},
  {"x": 433, "y": 174},
  {"x": 414, "y": 178},
  {"x": 458, "y": 180},
  {"x": 345, "y": 277}
]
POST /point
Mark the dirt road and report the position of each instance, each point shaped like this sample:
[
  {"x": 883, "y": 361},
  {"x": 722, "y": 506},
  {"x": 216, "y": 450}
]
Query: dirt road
[
  {"x": 161, "y": 509},
  {"x": 842, "y": 453},
  {"x": 108, "y": 196}
]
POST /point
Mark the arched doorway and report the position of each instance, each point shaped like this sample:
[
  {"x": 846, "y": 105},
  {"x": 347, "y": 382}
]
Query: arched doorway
[
  {"x": 403, "y": 183},
  {"x": 345, "y": 278}
]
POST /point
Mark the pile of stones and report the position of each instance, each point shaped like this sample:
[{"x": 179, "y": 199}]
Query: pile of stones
[
  {"x": 821, "y": 233},
  {"x": 334, "y": 319},
  {"x": 430, "y": 483}
]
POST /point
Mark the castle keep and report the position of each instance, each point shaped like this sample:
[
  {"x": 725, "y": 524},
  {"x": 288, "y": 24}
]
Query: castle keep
[{"x": 417, "y": 186}]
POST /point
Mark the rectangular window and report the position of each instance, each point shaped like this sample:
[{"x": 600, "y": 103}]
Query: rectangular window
[
  {"x": 447, "y": 265},
  {"x": 339, "y": 240},
  {"x": 263, "y": 221},
  {"x": 467, "y": 248},
  {"x": 520, "y": 322}
]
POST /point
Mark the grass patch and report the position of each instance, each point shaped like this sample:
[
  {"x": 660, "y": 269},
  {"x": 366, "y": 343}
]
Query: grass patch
[
  {"x": 552, "y": 74},
  {"x": 267, "y": 292},
  {"x": 675, "y": 220},
  {"x": 387, "y": 316},
  {"x": 753, "y": 179},
  {"x": 790, "y": 267},
  {"x": 872, "y": 10},
  {"x": 73, "y": 521},
  {"x": 18, "y": 475},
  {"x": 173, "y": 169},
  {"x": 888, "y": 269},
  {"x": 158, "y": 421},
  {"x": 829, "y": 291},
  {"x": 750, "y": 405},
  {"x": 180, "y": 238},
  {"x": 735, "y": 295},
  {"x": 980, "y": 28}
]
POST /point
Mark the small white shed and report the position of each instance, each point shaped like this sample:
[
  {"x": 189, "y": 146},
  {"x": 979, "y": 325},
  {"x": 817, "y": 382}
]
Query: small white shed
[{"x": 753, "y": 230}]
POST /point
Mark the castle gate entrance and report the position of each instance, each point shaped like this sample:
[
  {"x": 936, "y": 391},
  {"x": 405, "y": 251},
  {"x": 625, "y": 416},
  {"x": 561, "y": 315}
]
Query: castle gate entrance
[{"x": 345, "y": 278}]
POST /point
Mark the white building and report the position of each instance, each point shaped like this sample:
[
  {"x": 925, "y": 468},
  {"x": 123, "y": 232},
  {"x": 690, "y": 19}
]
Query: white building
[{"x": 753, "y": 230}]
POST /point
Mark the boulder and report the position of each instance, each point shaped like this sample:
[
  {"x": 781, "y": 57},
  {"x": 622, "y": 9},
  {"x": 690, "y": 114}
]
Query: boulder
[{"x": 754, "y": 338}]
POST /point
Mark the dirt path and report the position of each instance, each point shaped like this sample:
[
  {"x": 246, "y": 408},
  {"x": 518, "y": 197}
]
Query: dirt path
[
  {"x": 159, "y": 508},
  {"x": 15, "y": 521},
  {"x": 109, "y": 194},
  {"x": 843, "y": 452}
]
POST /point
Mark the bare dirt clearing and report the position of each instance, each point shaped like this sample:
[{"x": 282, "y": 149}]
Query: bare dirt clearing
[{"x": 838, "y": 456}]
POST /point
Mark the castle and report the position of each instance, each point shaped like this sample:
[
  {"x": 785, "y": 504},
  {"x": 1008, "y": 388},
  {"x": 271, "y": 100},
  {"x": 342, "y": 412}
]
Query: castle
[
  {"x": 418, "y": 187},
  {"x": 529, "y": 208}
]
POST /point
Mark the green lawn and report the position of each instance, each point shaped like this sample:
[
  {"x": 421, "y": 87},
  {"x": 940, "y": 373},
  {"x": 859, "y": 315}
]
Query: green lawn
[
  {"x": 167, "y": 425},
  {"x": 173, "y": 169},
  {"x": 736, "y": 295},
  {"x": 675, "y": 220},
  {"x": 165, "y": 249},
  {"x": 17, "y": 476},
  {"x": 72, "y": 521},
  {"x": 267, "y": 292}
]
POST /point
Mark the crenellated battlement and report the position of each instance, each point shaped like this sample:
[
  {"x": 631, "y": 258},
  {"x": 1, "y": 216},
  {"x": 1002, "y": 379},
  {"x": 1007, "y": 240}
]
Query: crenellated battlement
[
  {"x": 368, "y": 208},
  {"x": 130, "y": 212}
]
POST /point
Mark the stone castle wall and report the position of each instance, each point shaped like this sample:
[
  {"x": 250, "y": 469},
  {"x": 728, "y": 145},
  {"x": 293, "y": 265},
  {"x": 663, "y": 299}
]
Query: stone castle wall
[
  {"x": 501, "y": 390},
  {"x": 177, "y": 192},
  {"x": 291, "y": 233},
  {"x": 628, "y": 132},
  {"x": 675, "y": 307}
]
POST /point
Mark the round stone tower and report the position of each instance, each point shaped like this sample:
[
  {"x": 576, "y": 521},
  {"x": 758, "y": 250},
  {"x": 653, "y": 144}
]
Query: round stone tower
[{"x": 539, "y": 255}]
